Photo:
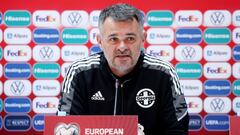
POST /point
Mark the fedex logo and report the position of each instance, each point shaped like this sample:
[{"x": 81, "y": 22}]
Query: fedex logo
[
  {"x": 216, "y": 70},
  {"x": 190, "y": 18},
  {"x": 236, "y": 35},
  {"x": 45, "y": 19},
  {"x": 16, "y": 53},
  {"x": 162, "y": 51},
  {"x": 45, "y": 104}
]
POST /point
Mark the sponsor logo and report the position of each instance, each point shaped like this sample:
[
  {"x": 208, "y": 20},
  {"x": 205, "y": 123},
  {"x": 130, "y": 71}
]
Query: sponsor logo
[
  {"x": 217, "y": 70},
  {"x": 216, "y": 122},
  {"x": 17, "y": 53},
  {"x": 1, "y": 70},
  {"x": 160, "y": 36},
  {"x": 1, "y": 36},
  {"x": 145, "y": 98},
  {"x": 45, "y": 104},
  {"x": 217, "y": 36},
  {"x": 72, "y": 53},
  {"x": 74, "y": 18},
  {"x": 194, "y": 104},
  {"x": 236, "y": 18},
  {"x": 236, "y": 87},
  {"x": 217, "y": 105},
  {"x": 64, "y": 68},
  {"x": 17, "y": 122},
  {"x": 195, "y": 122},
  {"x": 236, "y": 104},
  {"x": 17, "y": 70},
  {"x": 46, "y": 53},
  {"x": 17, "y": 35},
  {"x": 45, "y": 36},
  {"x": 236, "y": 53},
  {"x": 191, "y": 87},
  {"x": 217, "y": 87},
  {"x": 95, "y": 49},
  {"x": 188, "y": 53},
  {"x": 74, "y": 36},
  {"x": 217, "y": 18},
  {"x": 93, "y": 17},
  {"x": 93, "y": 35},
  {"x": 98, "y": 96},
  {"x": 17, "y": 105},
  {"x": 1, "y": 88},
  {"x": 1, "y": 18},
  {"x": 1, "y": 124},
  {"x": 189, "y": 18},
  {"x": 189, "y": 70},
  {"x": 68, "y": 129},
  {"x": 159, "y": 18},
  {"x": 46, "y": 87},
  {"x": 38, "y": 122},
  {"x": 217, "y": 53},
  {"x": 236, "y": 35},
  {"x": 1, "y": 107},
  {"x": 161, "y": 51},
  {"x": 17, "y": 87},
  {"x": 46, "y": 18},
  {"x": 48, "y": 71},
  {"x": 188, "y": 36},
  {"x": 236, "y": 70},
  {"x": 17, "y": 18}
]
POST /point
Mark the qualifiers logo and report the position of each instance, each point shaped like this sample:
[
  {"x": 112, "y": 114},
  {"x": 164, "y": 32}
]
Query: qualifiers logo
[
  {"x": 195, "y": 122},
  {"x": 188, "y": 18},
  {"x": 17, "y": 35},
  {"x": 217, "y": 70},
  {"x": 145, "y": 98},
  {"x": 17, "y": 87},
  {"x": 17, "y": 18},
  {"x": 17, "y": 122},
  {"x": 46, "y": 87},
  {"x": 217, "y": 105},
  {"x": 217, "y": 36},
  {"x": 236, "y": 18},
  {"x": 188, "y": 53},
  {"x": 72, "y": 53},
  {"x": 74, "y": 18},
  {"x": 188, "y": 36},
  {"x": 45, "y": 36},
  {"x": 164, "y": 51},
  {"x": 160, "y": 36},
  {"x": 217, "y": 53},
  {"x": 17, "y": 105},
  {"x": 217, "y": 87},
  {"x": 217, "y": 18},
  {"x": 17, "y": 70},
  {"x": 67, "y": 129},
  {"x": 44, "y": 53},
  {"x": 46, "y": 18},
  {"x": 94, "y": 16},
  {"x": 38, "y": 122},
  {"x": 216, "y": 122}
]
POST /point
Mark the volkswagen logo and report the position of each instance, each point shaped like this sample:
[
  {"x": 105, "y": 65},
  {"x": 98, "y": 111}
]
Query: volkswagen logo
[
  {"x": 74, "y": 18},
  {"x": 17, "y": 87},
  {"x": 46, "y": 53},
  {"x": 188, "y": 53},
  {"x": 217, "y": 18},
  {"x": 217, "y": 105}
]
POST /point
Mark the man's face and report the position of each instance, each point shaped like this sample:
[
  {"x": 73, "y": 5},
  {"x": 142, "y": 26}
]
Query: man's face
[{"x": 121, "y": 42}]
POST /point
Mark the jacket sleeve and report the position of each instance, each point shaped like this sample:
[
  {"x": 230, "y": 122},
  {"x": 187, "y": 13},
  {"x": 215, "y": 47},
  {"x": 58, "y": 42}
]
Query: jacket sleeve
[
  {"x": 175, "y": 113},
  {"x": 73, "y": 100}
]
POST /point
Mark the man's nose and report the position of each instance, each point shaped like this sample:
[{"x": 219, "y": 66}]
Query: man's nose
[{"x": 122, "y": 46}]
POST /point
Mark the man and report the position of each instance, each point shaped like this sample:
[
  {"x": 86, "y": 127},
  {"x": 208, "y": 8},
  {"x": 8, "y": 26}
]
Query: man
[{"x": 123, "y": 80}]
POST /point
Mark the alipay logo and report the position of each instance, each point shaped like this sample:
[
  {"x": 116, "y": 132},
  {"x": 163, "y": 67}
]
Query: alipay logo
[
  {"x": 188, "y": 36},
  {"x": 217, "y": 87},
  {"x": 195, "y": 122},
  {"x": 45, "y": 36},
  {"x": 17, "y": 105},
  {"x": 17, "y": 70},
  {"x": 160, "y": 36},
  {"x": 49, "y": 70},
  {"x": 72, "y": 53},
  {"x": 191, "y": 87},
  {"x": 217, "y": 53},
  {"x": 217, "y": 36},
  {"x": 46, "y": 87},
  {"x": 236, "y": 52},
  {"x": 17, "y": 18},
  {"x": 159, "y": 18},
  {"x": 17, "y": 35},
  {"x": 236, "y": 87},
  {"x": 216, "y": 122},
  {"x": 17, "y": 122},
  {"x": 38, "y": 122},
  {"x": 74, "y": 36},
  {"x": 189, "y": 70},
  {"x": 74, "y": 18}
]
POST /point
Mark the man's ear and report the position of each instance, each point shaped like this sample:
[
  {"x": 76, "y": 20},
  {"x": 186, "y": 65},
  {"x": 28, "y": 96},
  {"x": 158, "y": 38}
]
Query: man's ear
[{"x": 99, "y": 40}]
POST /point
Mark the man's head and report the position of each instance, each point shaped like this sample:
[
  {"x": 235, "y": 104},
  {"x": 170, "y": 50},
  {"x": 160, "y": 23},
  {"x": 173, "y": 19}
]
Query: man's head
[{"x": 121, "y": 37}]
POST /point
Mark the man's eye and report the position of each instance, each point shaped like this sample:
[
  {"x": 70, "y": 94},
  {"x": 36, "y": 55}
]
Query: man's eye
[
  {"x": 130, "y": 39},
  {"x": 113, "y": 39}
]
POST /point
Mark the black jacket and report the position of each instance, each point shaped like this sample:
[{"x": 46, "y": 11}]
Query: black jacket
[{"x": 151, "y": 91}]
